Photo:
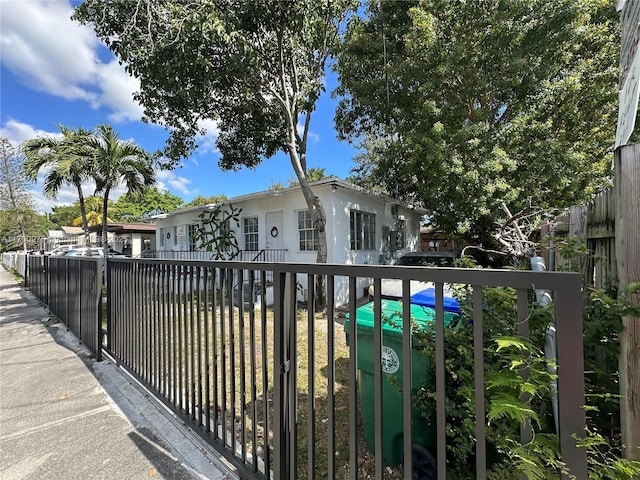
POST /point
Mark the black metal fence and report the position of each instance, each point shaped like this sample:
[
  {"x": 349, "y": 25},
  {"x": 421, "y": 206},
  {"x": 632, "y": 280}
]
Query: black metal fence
[
  {"x": 72, "y": 290},
  {"x": 278, "y": 390}
]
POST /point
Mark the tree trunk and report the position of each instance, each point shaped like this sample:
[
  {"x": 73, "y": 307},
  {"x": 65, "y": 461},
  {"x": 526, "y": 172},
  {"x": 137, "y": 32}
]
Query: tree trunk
[
  {"x": 105, "y": 244},
  {"x": 319, "y": 219},
  {"x": 83, "y": 213}
]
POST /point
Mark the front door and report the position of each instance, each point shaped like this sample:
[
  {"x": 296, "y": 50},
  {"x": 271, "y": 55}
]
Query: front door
[{"x": 274, "y": 230}]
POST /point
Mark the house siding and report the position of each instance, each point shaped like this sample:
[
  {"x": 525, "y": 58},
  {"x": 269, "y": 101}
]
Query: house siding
[{"x": 339, "y": 200}]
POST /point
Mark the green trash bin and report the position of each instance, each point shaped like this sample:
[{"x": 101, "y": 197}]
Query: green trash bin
[{"x": 423, "y": 430}]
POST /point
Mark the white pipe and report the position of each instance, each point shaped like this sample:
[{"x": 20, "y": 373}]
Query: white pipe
[{"x": 550, "y": 347}]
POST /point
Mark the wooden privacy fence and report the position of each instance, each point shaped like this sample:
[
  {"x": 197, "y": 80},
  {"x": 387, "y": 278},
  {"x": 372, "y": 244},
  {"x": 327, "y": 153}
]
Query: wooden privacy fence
[
  {"x": 610, "y": 228},
  {"x": 593, "y": 225}
]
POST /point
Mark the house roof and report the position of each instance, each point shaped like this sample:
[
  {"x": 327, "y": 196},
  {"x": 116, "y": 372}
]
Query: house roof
[
  {"x": 334, "y": 182},
  {"x": 126, "y": 227},
  {"x": 72, "y": 230}
]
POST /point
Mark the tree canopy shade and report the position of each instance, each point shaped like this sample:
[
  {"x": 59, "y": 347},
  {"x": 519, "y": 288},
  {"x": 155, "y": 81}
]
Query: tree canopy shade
[
  {"x": 465, "y": 105},
  {"x": 256, "y": 68}
]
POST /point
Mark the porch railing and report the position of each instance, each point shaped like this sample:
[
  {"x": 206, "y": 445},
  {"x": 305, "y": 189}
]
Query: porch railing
[
  {"x": 277, "y": 255},
  {"x": 263, "y": 384}
]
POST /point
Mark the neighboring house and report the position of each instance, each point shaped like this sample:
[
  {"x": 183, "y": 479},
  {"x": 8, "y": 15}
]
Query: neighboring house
[
  {"x": 130, "y": 239},
  {"x": 64, "y": 236},
  {"x": 275, "y": 225},
  {"x": 432, "y": 239}
]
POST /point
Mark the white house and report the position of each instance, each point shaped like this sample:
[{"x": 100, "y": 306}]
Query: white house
[{"x": 275, "y": 225}]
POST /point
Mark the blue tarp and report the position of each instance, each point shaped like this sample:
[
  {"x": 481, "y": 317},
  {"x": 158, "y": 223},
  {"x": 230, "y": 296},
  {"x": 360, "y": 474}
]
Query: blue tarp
[{"x": 427, "y": 298}]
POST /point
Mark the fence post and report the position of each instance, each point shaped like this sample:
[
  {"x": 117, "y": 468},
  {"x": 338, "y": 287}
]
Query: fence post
[
  {"x": 627, "y": 185},
  {"x": 283, "y": 423}
]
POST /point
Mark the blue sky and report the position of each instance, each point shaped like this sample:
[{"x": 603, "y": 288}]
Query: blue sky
[{"x": 54, "y": 71}]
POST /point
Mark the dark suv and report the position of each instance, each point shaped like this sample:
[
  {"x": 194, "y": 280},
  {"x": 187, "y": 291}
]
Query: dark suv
[{"x": 428, "y": 258}]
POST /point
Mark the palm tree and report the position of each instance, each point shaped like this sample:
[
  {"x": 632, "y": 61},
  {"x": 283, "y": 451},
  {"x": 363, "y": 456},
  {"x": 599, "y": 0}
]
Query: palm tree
[
  {"x": 118, "y": 162},
  {"x": 68, "y": 159}
]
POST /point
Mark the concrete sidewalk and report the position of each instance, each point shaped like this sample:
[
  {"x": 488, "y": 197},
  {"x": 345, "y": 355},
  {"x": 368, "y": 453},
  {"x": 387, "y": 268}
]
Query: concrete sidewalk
[{"x": 65, "y": 416}]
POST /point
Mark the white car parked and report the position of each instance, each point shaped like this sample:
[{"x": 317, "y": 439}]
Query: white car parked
[
  {"x": 60, "y": 250},
  {"x": 85, "y": 252}
]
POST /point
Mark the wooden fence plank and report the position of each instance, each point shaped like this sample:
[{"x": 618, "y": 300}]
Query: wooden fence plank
[{"x": 627, "y": 185}]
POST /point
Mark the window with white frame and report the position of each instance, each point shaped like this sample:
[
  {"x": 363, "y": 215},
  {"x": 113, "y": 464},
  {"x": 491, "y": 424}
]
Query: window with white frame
[
  {"x": 306, "y": 232},
  {"x": 161, "y": 239},
  {"x": 362, "y": 230},
  {"x": 250, "y": 233},
  {"x": 193, "y": 235}
]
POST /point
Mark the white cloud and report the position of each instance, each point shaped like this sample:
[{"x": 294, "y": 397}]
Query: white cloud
[
  {"x": 168, "y": 180},
  {"x": 207, "y": 142},
  {"x": 51, "y": 53},
  {"x": 17, "y": 132},
  {"x": 117, "y": 88},
  {"x": 312, "y": 136}
]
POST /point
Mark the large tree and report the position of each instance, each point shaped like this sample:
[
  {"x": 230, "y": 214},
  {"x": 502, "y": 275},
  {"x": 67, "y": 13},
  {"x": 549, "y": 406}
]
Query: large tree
[
  {"x": 65, "y": 160},
  {"x": 201, "y": 200},
  {"x": 139, "y": 207},
  {"x": 15, "y": 200},
  {"x": 462, "y": 106},
  {"x": 256, "y": 68},
  {"x": 118, "y": 162}
]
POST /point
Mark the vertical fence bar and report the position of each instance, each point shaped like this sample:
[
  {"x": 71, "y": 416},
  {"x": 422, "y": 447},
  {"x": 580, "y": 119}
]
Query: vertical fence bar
[
  {"x": 157, "y": 321},
  {"x": 174, "y": 334},
  {"x": 192, "y": 343},
  {"x": 165, "y": 340},
  {"x": 478, "y": 360},
  {"x": 216, "y": 300},
  {"x": 292, "y": 354},
  {"x": 311, "y": 365},
  {"x": 180, "y": 363},
  {"x": 253, "y": 367},
  {"x": 353, "y": 381},
  {"x": 441, "y": 415},
  {"x": 224, "y": 297},
  {"x": 331, "y": 376},
  {"x": 243, "y": 384},
  {"x": 265, "y": 370},
  {"x": 570, "y": 354},
  {"x": 407, "y": 368},
  {"x": 526, "y": 432},
  {"x": 378, "y": 409},
  {"x": 200, "y": 347},
  {"x": 232, "y": 359},
  {"x": 206, "y": 278}
]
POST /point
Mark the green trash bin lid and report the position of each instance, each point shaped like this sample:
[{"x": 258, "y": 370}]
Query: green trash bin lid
[{"x": 392, "y": 317}]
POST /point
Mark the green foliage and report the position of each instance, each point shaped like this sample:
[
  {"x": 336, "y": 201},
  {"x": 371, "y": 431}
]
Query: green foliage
[
  {"x": 216, "y": 234},
  {"x": 605, "y": 460},
  {"x": 517, "y": 391},
  {"x": 200, "y": 200},
  {"x": 22, "y": 226},
  {"x": 255, "y": 68},
  {"x": 14, "y": 182},
  {"x": 15, "y": 200},
  {"x": 64, "y": 215},
  {"x": 478, "y": 103},
  {"x": 118, "y": 162},
  {"x": 313, "y": 175},
  {"x": 68, "y": 160},
  {"x": 132, "y": 207}
]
